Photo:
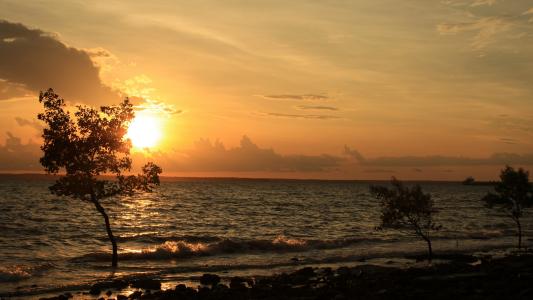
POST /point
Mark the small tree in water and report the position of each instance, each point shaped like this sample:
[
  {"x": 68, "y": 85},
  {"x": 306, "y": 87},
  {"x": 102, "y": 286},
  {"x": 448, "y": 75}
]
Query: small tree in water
[
  {"x": 88, "y": 145},
  {"x": 513, "y": 193},
  {"x": 403, "y": 207}
]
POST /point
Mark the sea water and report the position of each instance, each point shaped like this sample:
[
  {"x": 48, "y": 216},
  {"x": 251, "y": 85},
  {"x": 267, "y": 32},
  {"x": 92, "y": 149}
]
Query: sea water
[{"x": 232, "y": 226}]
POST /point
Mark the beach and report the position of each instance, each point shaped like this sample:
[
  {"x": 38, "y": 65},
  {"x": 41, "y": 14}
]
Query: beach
[{"x": 462, "y": 277}]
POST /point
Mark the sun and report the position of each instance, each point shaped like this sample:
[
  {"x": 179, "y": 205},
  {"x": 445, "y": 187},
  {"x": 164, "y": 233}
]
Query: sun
[{"x": 144, "y": 130}]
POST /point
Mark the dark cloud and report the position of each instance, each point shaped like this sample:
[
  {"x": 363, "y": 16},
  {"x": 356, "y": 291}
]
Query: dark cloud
[
  {"x": 10, "y": 90},
  {"x": 379, "y": 171},
  {"x": 38, "y": 60},
  {"x": 16, "y": 156},
  {"x": 304, "y": 97},
  {"x": 316, "y": 107},
  {"x": 298, "y": 116},
  {"x": 35, "y": 124},
  {"x": 509, "y": 141},
  {"x": 248, "y": 157},
  {"x": 204, "y": 157},
  {"x": 512, "y": 123},
  {"x": 354, "y": 154},
  {"x": 498, "y": 159}
]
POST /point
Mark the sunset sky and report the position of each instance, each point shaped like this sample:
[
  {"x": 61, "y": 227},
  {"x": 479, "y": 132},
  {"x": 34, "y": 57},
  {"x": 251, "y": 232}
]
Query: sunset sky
[{"x": 418, "y": 89}]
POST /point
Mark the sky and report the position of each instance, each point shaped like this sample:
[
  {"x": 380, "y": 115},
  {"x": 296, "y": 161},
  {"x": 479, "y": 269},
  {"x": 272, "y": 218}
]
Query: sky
[{"x": 417, "y": 89}]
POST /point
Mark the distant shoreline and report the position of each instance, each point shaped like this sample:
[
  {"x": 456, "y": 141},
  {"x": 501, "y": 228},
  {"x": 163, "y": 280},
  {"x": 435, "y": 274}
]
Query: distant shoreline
[{"x": 29, "y": 175}]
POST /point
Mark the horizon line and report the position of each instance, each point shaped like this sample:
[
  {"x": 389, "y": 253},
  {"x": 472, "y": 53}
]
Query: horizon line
[{"x": 170, "y": 178}]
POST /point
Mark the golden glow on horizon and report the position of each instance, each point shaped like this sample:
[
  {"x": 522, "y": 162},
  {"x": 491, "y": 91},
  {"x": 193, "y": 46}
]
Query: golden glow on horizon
[{"x": 145, "y": 130}]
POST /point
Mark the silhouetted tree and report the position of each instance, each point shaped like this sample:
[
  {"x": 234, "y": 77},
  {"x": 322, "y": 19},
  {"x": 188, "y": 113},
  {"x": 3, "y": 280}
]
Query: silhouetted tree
[
  {"x": 87, "y": 145},
  {"x": 403, "y": 207},
  {"x": 514, "y": 192}
]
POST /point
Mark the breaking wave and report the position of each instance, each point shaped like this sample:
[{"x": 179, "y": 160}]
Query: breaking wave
[
  {"x": 183, "y": 248},
  {"x": 20, "y": 272}
]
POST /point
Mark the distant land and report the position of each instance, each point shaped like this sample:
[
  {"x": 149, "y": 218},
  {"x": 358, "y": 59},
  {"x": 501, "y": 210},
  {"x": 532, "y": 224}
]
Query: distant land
[{"x": 42, "y": 176}]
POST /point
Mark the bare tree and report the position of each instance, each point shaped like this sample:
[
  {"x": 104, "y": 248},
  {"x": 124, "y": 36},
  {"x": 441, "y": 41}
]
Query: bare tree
[
  {"x": 514, "y": 192},
  {"x": 87, "y": 145},
  {"x": 403, "y": 207}
]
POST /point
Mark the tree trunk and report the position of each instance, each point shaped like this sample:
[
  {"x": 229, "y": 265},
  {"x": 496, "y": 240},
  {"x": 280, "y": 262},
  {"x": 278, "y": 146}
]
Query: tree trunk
[
  {"x": 430, "y": 250},
  {"x": 519, "y": 234},
  {"x": 114, "y": 261}
]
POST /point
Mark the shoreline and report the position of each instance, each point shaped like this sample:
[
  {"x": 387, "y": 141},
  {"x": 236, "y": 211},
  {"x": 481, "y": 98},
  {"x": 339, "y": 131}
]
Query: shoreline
[
  {"x": 464, "y": 276},
  {"x": 171, "y": 178}
]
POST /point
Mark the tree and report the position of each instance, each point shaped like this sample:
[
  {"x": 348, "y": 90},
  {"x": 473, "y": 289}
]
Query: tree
[
  {"x": 514, "y": 192},
  {"x": 87, "y": 147},
  {"x": 403, "y": 207}
]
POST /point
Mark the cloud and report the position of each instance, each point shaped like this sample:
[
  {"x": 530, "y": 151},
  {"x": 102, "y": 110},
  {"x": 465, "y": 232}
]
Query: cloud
[
  {"x": 528, "y": 13},
  {"x": 483, "y": 2},
  {"x": 509, "y": 141},
  {"x": 297, "y": 116},
  {"x": 304, "y": 97},
  {"x": 505, "y": 122},
  {"x": 16, "y": 156},
  {"x": 158, "y": 107},
  {"x": 316, "y": 107},
  {"x": 248, "y": 157},
  {"x": 498, "y": 159},
  {"x": 487, "y": 29},
  {"x": 37, "y": 61},
  {"x": 471, "y": 3},
  {"x": 10, "y": 91},
  {"x": 354, "y": 154},
  {"x": 379, "y": 171},
  {"x": 31, "y": 123},
  {"x": 494, "y": 25}
]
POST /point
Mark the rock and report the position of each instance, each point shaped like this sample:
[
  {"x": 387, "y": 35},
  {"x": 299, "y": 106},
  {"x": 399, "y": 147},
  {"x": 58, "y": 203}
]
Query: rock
[
  {"x": 122, "y": 297},
  {"x": 305, "y": 272},
  {"x": 135, "y": 295},
  {"x": 343, "y": 271},
  {"x": 115, "y": 284},
  {"x": 210, "y": 279},
  {"x": 108, "y": 293},
  {"x": 147, "y": 284},
  {"x": 181, "y": 287},
  {"x": 221, "y": 286},
  {"x": 237, "y": 283},
  {"x": 302, "y": 276},
  {"x": 60, "y": 297},
  {"x": 95, "y": 290}
]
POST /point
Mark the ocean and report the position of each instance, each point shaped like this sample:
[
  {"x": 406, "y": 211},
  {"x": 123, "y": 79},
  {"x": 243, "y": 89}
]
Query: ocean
[{"x": 188, "y": 227}]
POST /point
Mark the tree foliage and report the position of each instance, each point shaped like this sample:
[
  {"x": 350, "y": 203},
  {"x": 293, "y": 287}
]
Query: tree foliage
[
  {"x": 86, "y": 147},
  {"x": 514, "y": 192},
  {"x": 407, "y": 208}
]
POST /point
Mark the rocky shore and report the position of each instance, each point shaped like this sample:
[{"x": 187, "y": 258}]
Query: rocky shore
[{"x": 463, "y": 277}]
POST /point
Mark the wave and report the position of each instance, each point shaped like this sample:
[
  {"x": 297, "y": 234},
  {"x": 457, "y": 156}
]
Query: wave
[
  {"x": 16, "y": 273},
  {"x": 169, "y": 247},
  {"x": 155, "y": 237},
  {"x": 183, "y": 248}
]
